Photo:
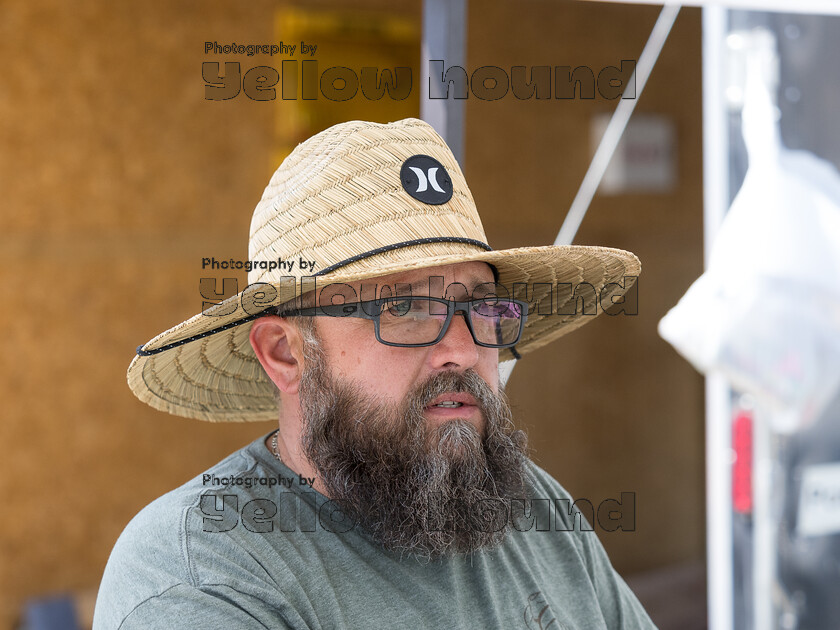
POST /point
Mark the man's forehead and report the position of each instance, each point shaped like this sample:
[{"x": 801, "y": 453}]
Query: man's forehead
[
  {"x": 468, "y": 280},
  {"x": 468, "y": 274}
]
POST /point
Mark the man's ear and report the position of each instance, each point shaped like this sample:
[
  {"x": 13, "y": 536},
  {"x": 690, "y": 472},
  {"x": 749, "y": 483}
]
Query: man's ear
[{"x": 279, "y": 348}]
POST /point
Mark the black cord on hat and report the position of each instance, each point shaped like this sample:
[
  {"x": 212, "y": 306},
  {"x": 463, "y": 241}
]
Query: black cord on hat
[{"x": 379, "y": 250}]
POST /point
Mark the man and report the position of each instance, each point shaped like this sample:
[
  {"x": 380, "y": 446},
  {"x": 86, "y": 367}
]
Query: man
[{"x": 396, "y": 492}]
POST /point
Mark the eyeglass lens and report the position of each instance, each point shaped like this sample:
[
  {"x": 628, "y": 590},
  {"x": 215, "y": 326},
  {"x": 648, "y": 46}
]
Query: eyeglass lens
[{"x": 419, "y": 321}]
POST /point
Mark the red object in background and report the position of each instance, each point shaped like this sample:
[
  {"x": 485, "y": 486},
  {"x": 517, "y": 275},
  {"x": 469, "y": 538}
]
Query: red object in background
[{"x": 742, "y": 466}]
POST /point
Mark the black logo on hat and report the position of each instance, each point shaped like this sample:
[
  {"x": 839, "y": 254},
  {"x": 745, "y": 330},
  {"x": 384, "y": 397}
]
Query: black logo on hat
[{"x": 425, "y": 179}]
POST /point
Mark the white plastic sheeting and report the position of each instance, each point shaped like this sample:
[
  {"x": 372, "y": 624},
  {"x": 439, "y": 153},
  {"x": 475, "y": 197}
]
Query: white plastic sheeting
[{"x": 766, "y": 313}]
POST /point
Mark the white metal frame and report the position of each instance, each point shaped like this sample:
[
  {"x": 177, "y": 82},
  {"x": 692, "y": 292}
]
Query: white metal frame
[{"x": 719, "y": 559}]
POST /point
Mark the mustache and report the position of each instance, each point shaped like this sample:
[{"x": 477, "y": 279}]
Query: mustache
[{"x": 467, "y": 382}]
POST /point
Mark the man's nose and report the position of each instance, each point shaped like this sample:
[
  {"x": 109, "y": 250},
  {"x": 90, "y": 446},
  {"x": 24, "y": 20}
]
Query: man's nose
[{"x": 457, "y": 349}]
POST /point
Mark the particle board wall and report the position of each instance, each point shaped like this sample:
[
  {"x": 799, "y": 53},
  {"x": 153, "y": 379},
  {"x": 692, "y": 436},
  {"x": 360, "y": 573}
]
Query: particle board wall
[
  {"x": 611, "y": 408},
  {"x": 115, "y": 184},
  {"x": 116, "y": 181}
]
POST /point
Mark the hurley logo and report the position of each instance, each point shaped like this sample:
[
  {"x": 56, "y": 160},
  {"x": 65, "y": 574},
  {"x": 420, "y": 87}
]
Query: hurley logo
[{"x": 425, "y": 179}]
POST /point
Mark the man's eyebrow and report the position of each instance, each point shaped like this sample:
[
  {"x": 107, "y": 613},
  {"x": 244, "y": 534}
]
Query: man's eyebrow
[{"x": 418, "y": 287}]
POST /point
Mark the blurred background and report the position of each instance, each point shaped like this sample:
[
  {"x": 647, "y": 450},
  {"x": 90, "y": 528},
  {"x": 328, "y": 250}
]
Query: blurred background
[{"x": 118, "y": 176}]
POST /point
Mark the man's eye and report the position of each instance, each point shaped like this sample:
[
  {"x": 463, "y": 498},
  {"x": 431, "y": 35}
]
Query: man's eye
[
  {"x": 399, "y": 307},
  {"x": 497, "y": 309}
]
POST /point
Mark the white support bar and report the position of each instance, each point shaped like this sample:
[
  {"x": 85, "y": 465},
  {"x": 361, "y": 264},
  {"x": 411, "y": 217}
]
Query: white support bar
[
  {"x": 616, "y": 126},
  {"x": 718, "y": 404},
  {"x": 817, "y": 7}
]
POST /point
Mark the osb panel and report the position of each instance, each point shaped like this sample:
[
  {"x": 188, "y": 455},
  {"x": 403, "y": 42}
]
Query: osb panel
[
  {"x": 610, "y": 408},
  {"x": 105, "y": 124},
  {"x": 116, "y": 181}
]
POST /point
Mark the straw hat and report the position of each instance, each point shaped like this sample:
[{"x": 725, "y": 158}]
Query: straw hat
[{"x": 361, "y": 200}]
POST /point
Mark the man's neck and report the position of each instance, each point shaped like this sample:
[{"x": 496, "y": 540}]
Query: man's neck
[{"x": 294, "y": 458}]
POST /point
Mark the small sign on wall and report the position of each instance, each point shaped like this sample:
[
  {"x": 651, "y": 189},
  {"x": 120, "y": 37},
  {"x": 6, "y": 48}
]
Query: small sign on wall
[
  {"x": 645, "y": 159},
  {"x": 819, "y": 501}
]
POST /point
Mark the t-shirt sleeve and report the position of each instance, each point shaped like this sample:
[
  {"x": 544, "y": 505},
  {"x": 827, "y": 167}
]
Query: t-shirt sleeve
[{"x": 189, "y": 607}]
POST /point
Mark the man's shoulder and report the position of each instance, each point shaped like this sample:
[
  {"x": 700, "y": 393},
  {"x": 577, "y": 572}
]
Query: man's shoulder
[
  {"x": 155, "y": 552},
  {"x": 164, "y": 522},
  {"x": 568, "y": 514},
  {"x": 543, "y": 485}
]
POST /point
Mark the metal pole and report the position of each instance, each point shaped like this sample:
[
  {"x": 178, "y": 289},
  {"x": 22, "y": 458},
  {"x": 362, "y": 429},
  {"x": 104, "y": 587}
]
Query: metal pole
[
  {"x": 718, "y": 403},
  {"x": 444, "y": 37}
]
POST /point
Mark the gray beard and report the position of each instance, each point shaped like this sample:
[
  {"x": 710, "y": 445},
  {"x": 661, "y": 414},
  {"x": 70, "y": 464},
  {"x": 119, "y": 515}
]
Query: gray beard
[{"x": 414, "y": 489}]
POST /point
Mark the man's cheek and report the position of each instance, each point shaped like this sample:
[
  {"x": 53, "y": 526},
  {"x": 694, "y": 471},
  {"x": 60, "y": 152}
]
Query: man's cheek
[
  {"x": 388, "y": 381},
  {"x": 489, "y": 370}
]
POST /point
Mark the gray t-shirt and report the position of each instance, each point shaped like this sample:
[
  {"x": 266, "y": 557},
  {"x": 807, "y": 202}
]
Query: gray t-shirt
[{"x": 248, "y": 545}]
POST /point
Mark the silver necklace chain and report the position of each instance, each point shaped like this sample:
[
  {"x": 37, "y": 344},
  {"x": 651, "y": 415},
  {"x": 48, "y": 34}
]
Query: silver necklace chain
[{"x": 274, "y": 450}]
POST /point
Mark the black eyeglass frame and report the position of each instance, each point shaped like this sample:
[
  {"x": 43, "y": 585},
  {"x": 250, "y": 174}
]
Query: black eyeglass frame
[{"x": 372, "y": 309}]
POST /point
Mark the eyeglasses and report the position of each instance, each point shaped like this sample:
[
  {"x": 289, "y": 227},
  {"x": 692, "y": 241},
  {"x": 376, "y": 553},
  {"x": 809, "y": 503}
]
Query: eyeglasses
[{"x": 417, "y": 321}]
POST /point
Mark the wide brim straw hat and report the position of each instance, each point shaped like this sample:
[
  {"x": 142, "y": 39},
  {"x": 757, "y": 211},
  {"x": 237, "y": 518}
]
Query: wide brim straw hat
[{"x": 362, "y": 200}]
